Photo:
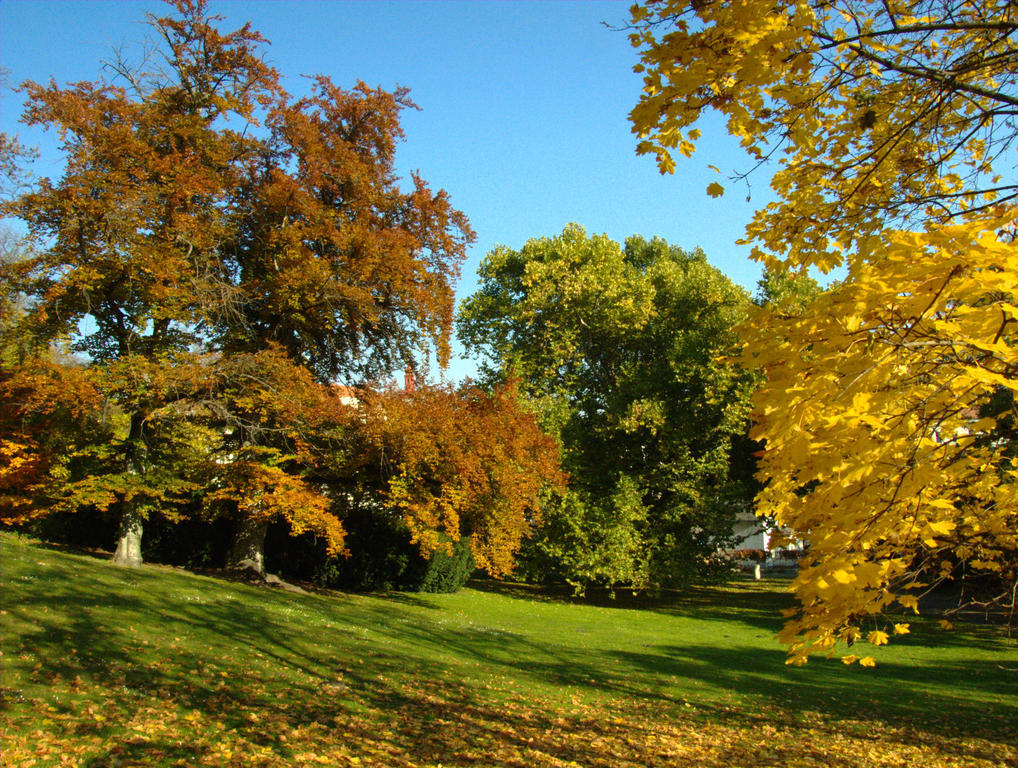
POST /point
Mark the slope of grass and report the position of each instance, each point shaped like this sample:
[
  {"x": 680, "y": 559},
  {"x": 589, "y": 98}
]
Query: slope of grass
[{"x": 104, "y": 667}]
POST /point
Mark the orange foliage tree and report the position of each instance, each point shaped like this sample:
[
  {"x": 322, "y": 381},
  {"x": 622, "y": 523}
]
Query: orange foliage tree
[
  {"x": 47, "y": 411},
  {"x": 205, "y": 215},
  {"x": 337, "y": 268},
  {"x": 128, "y": 240},
  {"x": 332, "y": 261},
  {"x": 457, "y": 464},
  {"x": 270, "y": 417}
]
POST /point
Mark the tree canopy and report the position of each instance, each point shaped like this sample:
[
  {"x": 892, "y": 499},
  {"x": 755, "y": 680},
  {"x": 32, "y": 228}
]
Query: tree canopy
[
  {"x": 887, "y": 411},
  {"x": 458, "y": 464},
  {"x": 617, "y": 350},
  {"x": 213, "y": 237}
]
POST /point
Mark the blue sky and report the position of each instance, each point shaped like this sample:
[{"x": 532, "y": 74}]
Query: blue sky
[{"x": 523, "y": 114}]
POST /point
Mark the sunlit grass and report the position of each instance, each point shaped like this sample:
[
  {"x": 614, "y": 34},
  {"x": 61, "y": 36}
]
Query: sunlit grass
[{"x": 104, "y": 666}]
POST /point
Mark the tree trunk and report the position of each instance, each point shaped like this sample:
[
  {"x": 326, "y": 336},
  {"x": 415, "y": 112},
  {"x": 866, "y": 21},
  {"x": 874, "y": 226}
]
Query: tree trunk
[
  {"x": 128, "y": 550},
  {"x": 248, "y": 551}
]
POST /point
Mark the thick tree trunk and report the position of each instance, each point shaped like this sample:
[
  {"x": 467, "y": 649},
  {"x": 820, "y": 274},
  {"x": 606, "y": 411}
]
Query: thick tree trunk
[
  {"x": 128, "y": 550},
  {"x": 248, "y": 551}
]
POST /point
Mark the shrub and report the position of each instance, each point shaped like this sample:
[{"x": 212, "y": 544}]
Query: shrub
[
  {"x": 380, "y": 558},
  {"x": 448, "y": 572}
]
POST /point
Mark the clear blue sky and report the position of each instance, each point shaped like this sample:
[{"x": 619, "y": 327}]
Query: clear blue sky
[{"x": 523, "y": 108}]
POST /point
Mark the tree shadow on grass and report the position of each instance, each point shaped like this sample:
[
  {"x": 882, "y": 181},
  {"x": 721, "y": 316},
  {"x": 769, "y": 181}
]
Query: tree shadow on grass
[
  {"x": 244, "y": 674},
  {"x": 140, "y": 751},
  {"x": 918, "y": 695},
  {"x": 739, "y": 590},
  {"x": 404, "y": 598},
  {"x": 757, "y": 604},
  {"x": 739, "y": 596},
  {"x": 899, "y": 694}
]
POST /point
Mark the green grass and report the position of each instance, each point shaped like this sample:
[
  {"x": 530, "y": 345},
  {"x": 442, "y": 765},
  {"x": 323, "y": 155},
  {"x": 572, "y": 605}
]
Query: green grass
[{"x": 104, "y": 666}]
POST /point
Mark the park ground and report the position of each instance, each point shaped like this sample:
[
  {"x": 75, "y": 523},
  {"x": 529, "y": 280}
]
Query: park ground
[{"x": 104, "y": 666}]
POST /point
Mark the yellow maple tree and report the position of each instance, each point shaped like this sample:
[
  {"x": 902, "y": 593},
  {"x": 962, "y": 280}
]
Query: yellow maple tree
[{"x": 888, "y": 409}]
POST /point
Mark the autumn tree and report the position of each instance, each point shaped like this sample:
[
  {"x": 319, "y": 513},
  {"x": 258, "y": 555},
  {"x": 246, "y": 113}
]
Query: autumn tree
[
  {"x": 618, "y": 351},
  {"x": 455, "y": 464},
  {"x": 331, "y": 262},
  {"x": 271, "y": 422},
  {"x": 128, "y": 238},
  {"x": 889, "y": 128},
  {"x": 12, "y": 301},
  {"x": 215, "y": 243},
  {"x": 49, "y": 413}
]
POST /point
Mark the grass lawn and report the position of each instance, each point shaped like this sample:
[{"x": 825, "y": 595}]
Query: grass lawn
[{"x": 104, "y": 667}]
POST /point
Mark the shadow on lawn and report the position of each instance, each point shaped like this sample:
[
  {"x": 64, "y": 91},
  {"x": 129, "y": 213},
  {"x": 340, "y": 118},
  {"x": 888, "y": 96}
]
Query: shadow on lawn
[
  {"x": 902, "y": 695},
  {"x": 240, "y": 657},
  {"x": 401, "y": 725},
  {"x": 741, "y": 592},
  {"x": 755, "y": 603}
]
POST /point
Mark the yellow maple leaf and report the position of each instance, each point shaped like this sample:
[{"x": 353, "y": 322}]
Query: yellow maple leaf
[{"x": 842, "y": 576}]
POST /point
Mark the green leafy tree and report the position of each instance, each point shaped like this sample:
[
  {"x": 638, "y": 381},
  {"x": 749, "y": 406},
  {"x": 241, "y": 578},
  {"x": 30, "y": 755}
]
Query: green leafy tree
[
  {"x": 787, "y": 292},
  {"x": 620, "y": 353}
]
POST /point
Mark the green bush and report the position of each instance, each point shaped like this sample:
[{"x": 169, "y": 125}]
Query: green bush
[
  {"x": 447, "y": 572},
  {"x": 381, "y": 558}
]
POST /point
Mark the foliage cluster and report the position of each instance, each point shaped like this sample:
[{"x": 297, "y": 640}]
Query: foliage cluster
[
  {"x": 380, "y": 557},
  {"x": 218, "y": 253},
  {"x": 887, "y": 412},
  {"x": 619, "y": 351},
  {"x": 466, "y": 463}
]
